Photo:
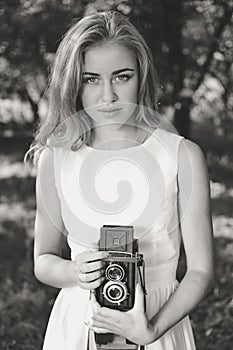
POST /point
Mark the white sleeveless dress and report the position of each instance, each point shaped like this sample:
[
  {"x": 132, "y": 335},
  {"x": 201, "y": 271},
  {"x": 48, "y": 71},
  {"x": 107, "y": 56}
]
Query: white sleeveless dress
[{"x": 134, "y": 186}]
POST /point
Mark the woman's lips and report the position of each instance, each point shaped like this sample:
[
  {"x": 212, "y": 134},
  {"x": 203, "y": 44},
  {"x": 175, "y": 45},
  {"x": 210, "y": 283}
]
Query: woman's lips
[{"x": 109, "y": 110}]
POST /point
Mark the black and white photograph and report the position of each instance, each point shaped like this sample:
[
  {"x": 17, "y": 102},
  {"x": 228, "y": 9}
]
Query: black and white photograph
[{"x": 116, "y": 175}]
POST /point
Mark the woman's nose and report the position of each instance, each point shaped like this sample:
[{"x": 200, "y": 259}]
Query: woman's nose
[{"x": 108, "y": 93}]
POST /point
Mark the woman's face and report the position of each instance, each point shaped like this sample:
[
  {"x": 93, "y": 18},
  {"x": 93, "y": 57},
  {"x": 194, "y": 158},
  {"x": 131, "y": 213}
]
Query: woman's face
[{"x": 110, "y": 83}]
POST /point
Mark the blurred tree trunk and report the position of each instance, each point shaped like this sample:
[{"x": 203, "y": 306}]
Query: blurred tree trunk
[
  {"x": 174, "y": 11},
  {"x": 227, "y": 119},
  {"x": 25, "y": 95},
  {"x": 183, "y": 104},
  {"x": 182, "y": 121},
  {"x": 226, "y": 18},
  {"x": 35, "y": 110}
]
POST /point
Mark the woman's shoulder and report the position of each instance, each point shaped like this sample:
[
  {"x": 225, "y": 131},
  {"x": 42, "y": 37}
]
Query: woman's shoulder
[
  {"x": 51, "y": 161},
  {"x": 192, "y": 148},
  {"x": 49, "y": 153},
  {"x": 185, "y": 144},
  {"x": 191, "y": 154},
  {"x": 168, "y": 140},
  {"x": 45, "y": 156},
  {"x": 168, "y": 135},
  {"x": 45, "y": 162},
  {"x": 188, "y": 153}
]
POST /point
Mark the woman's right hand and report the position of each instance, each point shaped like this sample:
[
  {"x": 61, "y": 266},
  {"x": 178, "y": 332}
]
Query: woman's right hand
[{"x": 88, "y": 269}]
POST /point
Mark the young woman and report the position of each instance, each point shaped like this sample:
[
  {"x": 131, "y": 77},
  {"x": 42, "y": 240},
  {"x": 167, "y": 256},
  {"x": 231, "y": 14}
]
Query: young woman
[{"x": 105, "y": 158}]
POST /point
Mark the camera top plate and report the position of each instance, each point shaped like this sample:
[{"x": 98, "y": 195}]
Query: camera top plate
[{"x": 117, "y": 238}]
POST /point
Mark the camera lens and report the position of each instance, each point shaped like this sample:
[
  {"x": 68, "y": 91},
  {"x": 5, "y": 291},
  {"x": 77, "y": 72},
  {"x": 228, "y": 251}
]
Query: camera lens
[
  {"x": 115, "y": 272},
  {"x": 115, "y": 292}
]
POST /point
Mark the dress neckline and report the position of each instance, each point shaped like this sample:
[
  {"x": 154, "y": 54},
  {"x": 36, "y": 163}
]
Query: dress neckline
[{"x": 144, "y": 143}]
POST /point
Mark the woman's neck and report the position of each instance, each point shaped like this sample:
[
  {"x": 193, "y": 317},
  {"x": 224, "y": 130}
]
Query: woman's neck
[{"x": 112, "y": 137}]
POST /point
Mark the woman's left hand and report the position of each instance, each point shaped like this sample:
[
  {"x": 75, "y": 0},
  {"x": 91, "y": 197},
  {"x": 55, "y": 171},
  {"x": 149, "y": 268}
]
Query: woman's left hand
[{"x": 132, "y": 324}]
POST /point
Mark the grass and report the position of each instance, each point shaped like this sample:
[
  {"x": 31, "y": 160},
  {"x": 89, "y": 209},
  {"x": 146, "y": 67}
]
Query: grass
[{"x": 25, "y": 304}]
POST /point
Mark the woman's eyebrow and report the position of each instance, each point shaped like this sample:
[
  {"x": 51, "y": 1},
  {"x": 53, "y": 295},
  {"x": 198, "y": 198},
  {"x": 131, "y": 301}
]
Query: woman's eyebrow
[
  {"x": 113, "y": 73},
  {"x": 122, "y": 70}
]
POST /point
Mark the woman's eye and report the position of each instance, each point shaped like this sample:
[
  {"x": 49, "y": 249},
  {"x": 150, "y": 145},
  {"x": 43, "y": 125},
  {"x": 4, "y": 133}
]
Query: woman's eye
[
  {"x": 90, "y": 80},
  {"x": 123, "y": 77}
]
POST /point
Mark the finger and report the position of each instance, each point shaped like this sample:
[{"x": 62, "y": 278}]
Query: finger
[
  {"x": 91, "y": 276},
  {"x": 102, "y": 330},
  {"x": 97, "y": 317},
  {"x": 110, "y": 313},
  {"x": 91, "y": 266},
  {"x": 110, "y": 328},
  {"x": 107, "y": 318},
  {"x": 91, "y": 285},
  {"x": 99, "y": 330}
]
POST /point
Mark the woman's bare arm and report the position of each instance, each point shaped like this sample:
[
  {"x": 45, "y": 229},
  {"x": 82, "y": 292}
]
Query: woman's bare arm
[
  {"x": 196, "y": 229},
  {"x": 49, "y": 267}
]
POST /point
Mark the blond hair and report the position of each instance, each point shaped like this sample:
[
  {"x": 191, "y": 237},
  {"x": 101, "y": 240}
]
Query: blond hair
[{"x": 66, "y": 78}]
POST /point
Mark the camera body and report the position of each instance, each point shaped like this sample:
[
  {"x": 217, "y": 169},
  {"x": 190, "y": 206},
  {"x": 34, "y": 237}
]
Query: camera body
[
  {"x": 122, "y": 272},
  {"x": 121, "y": 267}
]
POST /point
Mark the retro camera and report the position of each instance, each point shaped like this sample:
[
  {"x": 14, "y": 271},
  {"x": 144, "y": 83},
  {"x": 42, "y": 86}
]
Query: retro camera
[{"x": 124, "y": 267}]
